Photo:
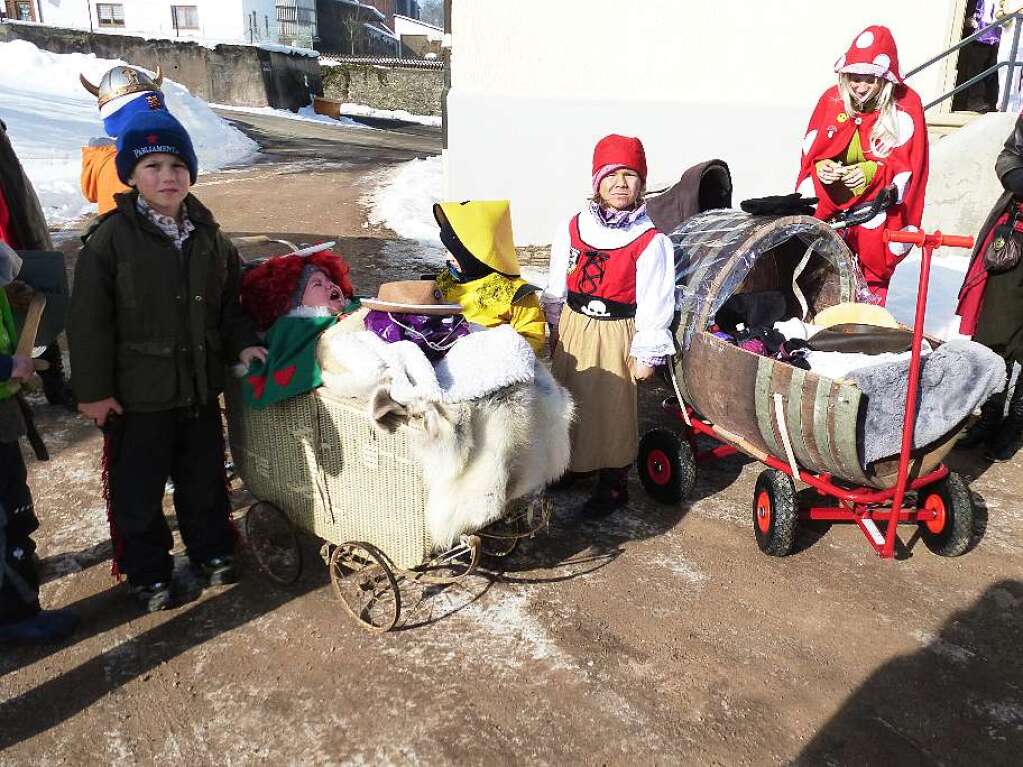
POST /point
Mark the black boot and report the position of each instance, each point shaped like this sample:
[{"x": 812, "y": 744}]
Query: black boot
[
  {"x": 1009, "y": 437},
  {"x": 987, "y": 425},
  {"x": 610, "y": 494},
  {"x": 55, "y": 385}
]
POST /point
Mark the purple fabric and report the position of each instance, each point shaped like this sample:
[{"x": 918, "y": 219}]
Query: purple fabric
[
  {"x": 754, "y": 345},
  {"x": 434, "y": 334},
  {"x": 984, "y": 16},
  {"x": 616, "y": 219}
]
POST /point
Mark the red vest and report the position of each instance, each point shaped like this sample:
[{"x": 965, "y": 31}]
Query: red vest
[
  {"x": 602, "y": 283},
  {"x": 6, "y": 235}
]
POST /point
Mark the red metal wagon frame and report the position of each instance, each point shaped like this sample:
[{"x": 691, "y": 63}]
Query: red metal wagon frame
[{"x": 865, "y": 506}]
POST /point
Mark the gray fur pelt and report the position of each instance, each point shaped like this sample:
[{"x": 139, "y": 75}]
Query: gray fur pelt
[
  {"x": 478, "y": 456},
  {"x": 954, "y": 380}
]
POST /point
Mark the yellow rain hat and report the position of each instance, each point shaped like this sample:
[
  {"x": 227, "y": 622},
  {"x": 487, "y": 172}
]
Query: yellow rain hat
[{"x": 484, "y": 227}]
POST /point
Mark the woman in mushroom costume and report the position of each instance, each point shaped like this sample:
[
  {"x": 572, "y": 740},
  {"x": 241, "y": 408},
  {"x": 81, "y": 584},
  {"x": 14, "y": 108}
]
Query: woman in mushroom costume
[{"x": 867, "y": 134}]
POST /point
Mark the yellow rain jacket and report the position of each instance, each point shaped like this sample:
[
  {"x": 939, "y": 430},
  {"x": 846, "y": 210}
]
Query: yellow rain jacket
[
  {"x": 99, "y": 176},
  {"x": 501, "y": 297}
]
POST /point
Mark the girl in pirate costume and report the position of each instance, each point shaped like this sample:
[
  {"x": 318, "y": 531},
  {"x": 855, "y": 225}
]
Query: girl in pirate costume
[{"x": 616, "y": 274}]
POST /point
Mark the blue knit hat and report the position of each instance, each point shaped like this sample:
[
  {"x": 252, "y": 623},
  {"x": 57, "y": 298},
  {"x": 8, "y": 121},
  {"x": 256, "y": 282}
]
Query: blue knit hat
[{"x": 151, "y": 132}]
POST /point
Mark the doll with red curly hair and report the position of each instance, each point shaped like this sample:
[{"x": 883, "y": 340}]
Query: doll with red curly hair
[
  {"x": 283, "y": 285},
  {"x": 293, "y": 298}
]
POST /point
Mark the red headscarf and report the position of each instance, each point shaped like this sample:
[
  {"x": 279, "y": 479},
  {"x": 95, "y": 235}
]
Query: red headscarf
[{"x": 614, "y": 152}]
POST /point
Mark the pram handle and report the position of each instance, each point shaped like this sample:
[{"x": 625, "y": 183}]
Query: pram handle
[{"x": 934, "y": 240}]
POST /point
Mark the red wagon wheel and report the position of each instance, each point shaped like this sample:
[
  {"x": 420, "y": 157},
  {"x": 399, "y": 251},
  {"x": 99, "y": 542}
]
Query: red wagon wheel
[
  {"x": 774, "y": 513},
  {"x": 667, "y": 467},
  {"x": 949, "y": 532}
]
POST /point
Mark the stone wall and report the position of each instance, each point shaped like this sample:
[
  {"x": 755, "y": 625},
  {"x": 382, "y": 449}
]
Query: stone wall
[
  {"x": 385, "y": 87},
  {"x": 241, "y": 75}
]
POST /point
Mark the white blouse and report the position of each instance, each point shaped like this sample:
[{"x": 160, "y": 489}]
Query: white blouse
[{"x": 655, "y": 279}]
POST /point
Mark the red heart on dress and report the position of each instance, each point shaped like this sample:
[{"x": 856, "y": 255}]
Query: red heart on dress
[
  {"x": 258, "y": 384},
  {"x": 284, "y": 375}
]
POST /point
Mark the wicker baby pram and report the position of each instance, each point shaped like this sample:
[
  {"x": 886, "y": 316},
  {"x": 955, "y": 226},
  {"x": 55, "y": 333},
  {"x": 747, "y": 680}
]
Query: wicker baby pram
[{"x": 317, "y": 463}]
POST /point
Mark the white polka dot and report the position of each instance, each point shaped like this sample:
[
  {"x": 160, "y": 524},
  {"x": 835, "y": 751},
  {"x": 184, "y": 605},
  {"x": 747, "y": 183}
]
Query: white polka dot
[
  {"x": 865, "y": 40},
  {"x": 883, "y": 61},
  {"x": 808, "y": 141},
  {"x": 906, "y": 127},
  {"x": 876, "y": 221},
  {"x": 902, "y": 248},
  {"x": 806, "y": 188},
  {"x": 901, "y": 181}
]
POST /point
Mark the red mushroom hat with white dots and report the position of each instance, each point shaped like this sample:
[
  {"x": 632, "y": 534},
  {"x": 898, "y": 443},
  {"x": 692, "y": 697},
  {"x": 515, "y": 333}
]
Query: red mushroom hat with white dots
[{"x": 873, "y": 52}]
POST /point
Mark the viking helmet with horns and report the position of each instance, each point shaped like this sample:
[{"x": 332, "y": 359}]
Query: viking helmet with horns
[{"x": 120, "y": 81}]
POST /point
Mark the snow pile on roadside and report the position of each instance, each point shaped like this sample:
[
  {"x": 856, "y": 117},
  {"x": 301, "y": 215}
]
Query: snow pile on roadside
[
  {"x": 361, "y": 110},
  {"x": 961, "y": 188},
  {"x": 404, "y": 198},
  {"x": 947, "y": 273},
  {"x": 304, "y": 114},
  {"x": 50, "y": 116}
]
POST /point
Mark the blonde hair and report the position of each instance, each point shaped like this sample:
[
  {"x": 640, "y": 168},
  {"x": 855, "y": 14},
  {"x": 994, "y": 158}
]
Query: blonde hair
[{"x": 885, "y": 135}]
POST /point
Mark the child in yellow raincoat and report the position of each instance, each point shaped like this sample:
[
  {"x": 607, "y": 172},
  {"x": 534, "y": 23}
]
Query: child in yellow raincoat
[{"x": 483, "y": 272}]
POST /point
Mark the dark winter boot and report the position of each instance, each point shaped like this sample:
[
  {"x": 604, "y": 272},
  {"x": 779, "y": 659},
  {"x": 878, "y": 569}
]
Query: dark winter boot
[
  {"x": 610, "y": 494},
  {"x": 153, "y": 597},
  {"x": 987, "y": 425},
  {"x": 55, "y": 385},
  {"x": 219, "y": 571},
  {"x": 1009, "y": 437}
]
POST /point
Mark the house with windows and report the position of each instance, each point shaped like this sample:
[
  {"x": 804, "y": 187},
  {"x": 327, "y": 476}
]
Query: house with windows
[
  {"x": 694, "y": 80},
  {"x": 20, "y": 10},
  {"x": 290, "y": 22},
  {"x": 356, "y": 28}
]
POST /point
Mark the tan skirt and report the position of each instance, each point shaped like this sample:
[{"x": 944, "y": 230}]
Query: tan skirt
[{"x": 592, "y": 361}]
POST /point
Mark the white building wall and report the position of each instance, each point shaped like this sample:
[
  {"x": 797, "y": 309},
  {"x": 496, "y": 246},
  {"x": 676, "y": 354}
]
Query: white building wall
[
  {"x": 406, "y": 26},
  {"x": 536, "y": 83},
  {"x": 65, "y": 13},
  {"x": 222, "y": 20}
]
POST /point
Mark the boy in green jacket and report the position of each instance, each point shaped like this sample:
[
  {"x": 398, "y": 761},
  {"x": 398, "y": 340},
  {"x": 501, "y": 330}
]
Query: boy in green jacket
[{"x": 154, "y": 322}]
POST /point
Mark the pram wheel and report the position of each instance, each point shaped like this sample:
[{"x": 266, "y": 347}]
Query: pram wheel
[
  {"x": 951, "y": 530},
  {"x": 774, "y": 513},
  {"x": 667, "y": 467},
  {"x": 273, "y": 543},
  {"x": 365, "y": 585}
]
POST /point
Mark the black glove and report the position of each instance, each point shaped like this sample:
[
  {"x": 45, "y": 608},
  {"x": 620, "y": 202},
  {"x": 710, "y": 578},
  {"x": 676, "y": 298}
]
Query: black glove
[{"x": 780, "y": 205}]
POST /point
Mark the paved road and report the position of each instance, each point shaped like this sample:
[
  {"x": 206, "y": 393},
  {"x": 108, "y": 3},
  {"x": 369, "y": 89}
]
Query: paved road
[{"x": 378, "y": 141}]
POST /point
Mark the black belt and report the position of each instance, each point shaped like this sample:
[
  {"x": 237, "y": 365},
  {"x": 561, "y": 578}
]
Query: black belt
[{"x": 600, "y": 308}]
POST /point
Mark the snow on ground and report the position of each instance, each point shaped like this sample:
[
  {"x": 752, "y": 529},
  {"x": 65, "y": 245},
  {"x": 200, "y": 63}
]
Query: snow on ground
[
  {"x": 361, "y": 110},
  {"x": 403, "y": 201},
  {"x": 304, "y": 114},
  {"x": 50, "y": 116}
]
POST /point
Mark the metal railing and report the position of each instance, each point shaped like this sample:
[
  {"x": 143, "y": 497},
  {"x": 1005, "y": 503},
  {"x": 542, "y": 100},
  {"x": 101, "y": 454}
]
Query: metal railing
[{"x": 1013, "y": 65}]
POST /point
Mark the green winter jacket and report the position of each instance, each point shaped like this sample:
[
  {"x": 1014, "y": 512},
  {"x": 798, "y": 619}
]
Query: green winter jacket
[{"x": 149, "y": 325}]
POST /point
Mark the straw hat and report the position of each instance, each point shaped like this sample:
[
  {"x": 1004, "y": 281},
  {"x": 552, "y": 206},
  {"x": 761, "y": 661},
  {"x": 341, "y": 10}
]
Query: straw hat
[{"x": 410, "y": 297}]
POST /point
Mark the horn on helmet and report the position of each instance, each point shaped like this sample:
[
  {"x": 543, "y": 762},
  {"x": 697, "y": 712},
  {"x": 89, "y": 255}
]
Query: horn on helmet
[
  {"x": 94, "y": 90},
  {"x": 158, "y": 81}
]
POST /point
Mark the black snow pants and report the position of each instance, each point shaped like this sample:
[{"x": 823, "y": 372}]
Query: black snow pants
[
  {"x": 144, "y": 450},
  {"x": 19, "y": 578}
]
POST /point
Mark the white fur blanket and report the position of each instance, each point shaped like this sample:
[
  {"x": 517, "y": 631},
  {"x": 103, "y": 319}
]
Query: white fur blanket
[{"x": 496, "y": 424}]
